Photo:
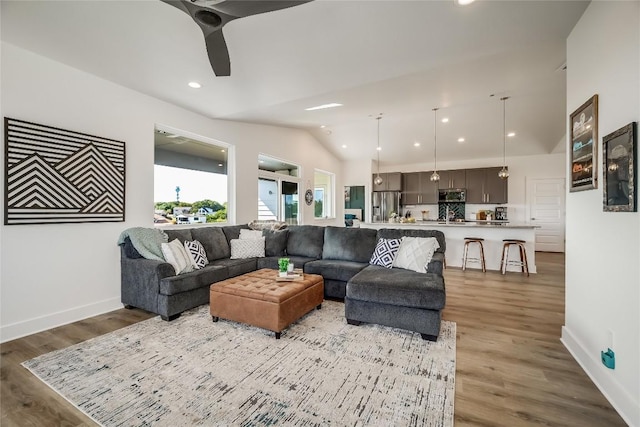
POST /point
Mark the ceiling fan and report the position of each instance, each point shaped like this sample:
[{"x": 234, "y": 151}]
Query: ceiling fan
[{"x": 212, "y": 15}]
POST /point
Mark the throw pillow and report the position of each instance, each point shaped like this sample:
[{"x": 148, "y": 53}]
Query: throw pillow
[
  {"x": 176, "y": 255},
  {"x": 250, "y": 234},
  {"x": 247, "y": 248},
  {"x": 197, "y": 253},
  {"x": 385, "y": 252},
  {"x": 415, "y": 253}
]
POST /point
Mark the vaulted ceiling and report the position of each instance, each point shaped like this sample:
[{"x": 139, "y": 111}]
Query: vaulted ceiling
[{"x": 400, "y": 58}]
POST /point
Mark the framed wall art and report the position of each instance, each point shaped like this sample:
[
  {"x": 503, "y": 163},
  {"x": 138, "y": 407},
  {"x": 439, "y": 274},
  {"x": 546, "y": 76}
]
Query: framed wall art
[
  {"x": 618, "y": 170},
  {"x": 584, "y": 146},
  {"x": 60, "y": 176}
]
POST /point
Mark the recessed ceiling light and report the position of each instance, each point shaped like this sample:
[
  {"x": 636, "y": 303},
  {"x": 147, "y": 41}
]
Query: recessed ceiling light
[
  {"x": 464, "y": 2},
  {"x": 416, "y": 144},
  {"x": 222, "y": 151},
  {"x": 379, "y": 148},
  {"x": 195, "y": 85},
  {"x": 460, "y": 139},
  {"x": 323, "y": 106},
  {"x": 344, "y": 146},
  {"x": 511, "y": 134},
  {"x": 322, "y": 126},
  {"x": 445, "y": 120}
]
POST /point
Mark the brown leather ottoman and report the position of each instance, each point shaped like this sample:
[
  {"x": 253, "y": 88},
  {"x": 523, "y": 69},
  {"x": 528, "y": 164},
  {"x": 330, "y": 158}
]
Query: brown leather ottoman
[{"x": 257, "y": 299}]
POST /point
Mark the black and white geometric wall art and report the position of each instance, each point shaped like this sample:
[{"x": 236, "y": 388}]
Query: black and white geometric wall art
[{"x": 58, "y": 176}]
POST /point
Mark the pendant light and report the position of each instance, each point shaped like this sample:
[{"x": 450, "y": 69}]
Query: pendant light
[
  {"x": 435, "y": 177},
  {"x": 378, "y": 179},
  {"x": 504, "y": 172}
]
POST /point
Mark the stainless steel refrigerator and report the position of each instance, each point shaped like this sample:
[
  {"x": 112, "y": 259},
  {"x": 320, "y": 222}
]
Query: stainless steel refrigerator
[{"x": 383, "y": 203}]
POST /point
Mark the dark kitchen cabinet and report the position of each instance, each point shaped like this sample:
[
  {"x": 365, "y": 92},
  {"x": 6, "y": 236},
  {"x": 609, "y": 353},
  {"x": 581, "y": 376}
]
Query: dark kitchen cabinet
[
  {"x": 484, "y": 186},
  {"x": 496, "y": 188},
  {"x": 417, "y": 189},
  {"x": 391, "y": 181},
  {"x": 452, "y": 179}
]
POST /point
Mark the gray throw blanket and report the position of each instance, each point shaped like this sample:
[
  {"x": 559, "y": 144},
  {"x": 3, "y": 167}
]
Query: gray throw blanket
[{"x": 147, "y": 241}]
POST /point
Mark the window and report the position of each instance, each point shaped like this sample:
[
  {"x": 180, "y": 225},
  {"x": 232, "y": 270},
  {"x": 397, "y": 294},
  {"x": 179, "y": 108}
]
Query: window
[
  {"x": 278, "y": 195},
  {"x": 323, "y": 194},
  {"x": 190, "y": 179}
]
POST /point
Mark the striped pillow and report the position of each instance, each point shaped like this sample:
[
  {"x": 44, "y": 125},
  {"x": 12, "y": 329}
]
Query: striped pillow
[{"x": 176, "y": 255}]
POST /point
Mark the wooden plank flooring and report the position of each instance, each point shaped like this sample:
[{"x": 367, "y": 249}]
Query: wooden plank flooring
[{"x": 512, "y": 369}]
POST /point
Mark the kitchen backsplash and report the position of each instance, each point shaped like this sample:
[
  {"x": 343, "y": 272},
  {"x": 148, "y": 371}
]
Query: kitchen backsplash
[{"x": 470, "y": 211}]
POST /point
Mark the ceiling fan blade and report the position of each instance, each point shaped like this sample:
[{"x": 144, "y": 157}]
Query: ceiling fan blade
[
  {"x": 242, "y": 8},
  {"x": 218, "y": 53},
  {"x": 212, "y": 17}
]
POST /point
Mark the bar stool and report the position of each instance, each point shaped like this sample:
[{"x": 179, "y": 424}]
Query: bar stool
[
  {"x": 465, "y": 258},
  {"x": 522, "y": 263}
]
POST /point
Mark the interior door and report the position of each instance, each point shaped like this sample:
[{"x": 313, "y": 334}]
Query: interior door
[{"x": 546, "y": 205}]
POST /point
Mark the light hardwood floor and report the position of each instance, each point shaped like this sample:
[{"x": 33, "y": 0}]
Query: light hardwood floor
[{"x": 511, "y": 371}]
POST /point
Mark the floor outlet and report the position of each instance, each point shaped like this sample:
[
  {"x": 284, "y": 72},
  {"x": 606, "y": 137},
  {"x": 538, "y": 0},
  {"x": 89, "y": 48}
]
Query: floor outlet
[{"x": 608, "y": 358}]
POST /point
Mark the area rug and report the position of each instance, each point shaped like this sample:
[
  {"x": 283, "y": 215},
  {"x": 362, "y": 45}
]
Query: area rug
[{"x": 195, "y": 372}]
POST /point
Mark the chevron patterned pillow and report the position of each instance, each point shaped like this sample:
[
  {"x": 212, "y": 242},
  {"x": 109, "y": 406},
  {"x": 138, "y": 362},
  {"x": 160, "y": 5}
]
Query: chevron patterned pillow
[
  {"x": 385, "y": 252},
  {"x": 197, "y": 253}
]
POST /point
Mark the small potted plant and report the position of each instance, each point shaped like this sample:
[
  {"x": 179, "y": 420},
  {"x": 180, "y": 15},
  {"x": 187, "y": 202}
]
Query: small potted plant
[
  {"x": 283, "y": 265},
  {"x": 393, "y": 217}
]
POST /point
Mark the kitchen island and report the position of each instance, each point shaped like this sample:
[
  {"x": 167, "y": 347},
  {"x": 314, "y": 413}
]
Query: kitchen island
[{"x": 493, "y": 232}]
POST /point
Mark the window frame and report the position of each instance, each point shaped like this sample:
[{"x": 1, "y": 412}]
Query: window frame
[
  {"x": 329, "y": 191},
  {"x": 231, "y": 166}
]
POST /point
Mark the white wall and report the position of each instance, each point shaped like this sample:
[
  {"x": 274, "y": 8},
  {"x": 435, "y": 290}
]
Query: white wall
[
  {"x": 603, "y": 250},
  {"x": 55, "y": 274}
]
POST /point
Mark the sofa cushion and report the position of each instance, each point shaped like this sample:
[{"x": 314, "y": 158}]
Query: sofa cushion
[
  {"x": 395, "y": 233},
  {"x": 334, "y": 269},
  {"x": 349, "y": 244},
  {"x": 196, "y": 279},
  {"x": 247, "y": 248},
  {"x": 236, "y": 267},
  {"x": 198, "y": 254},
  {"x": 233, "y": 231},
  {"x": 305, "y": 241},
  {"x": 385, "y": 252},
  {"x": 275, "y": 242},
  {"x": 181, "y": 234},
  {"x": 272, "y": 262},
  {"x": 214, "y": 241},
  {"x": 415, "y": 253},
  {"x": 398, "y": 286}
]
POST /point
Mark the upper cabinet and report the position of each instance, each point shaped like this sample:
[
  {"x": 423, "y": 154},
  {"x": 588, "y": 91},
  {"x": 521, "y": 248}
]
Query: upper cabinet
[
  {"x": 484, "y": 186},
  {"x": 417, "y": 189},
  {"x": 391, "y": 181},
  {"x": 496, "y": 188},
  {"x": 452, "y": 179}
]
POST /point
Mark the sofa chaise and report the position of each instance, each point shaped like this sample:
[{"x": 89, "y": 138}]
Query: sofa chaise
[{"x": 393, "y": 297}]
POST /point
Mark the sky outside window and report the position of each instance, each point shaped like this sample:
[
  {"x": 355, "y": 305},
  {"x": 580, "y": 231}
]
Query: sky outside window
[{"x": 194, "y": 185}]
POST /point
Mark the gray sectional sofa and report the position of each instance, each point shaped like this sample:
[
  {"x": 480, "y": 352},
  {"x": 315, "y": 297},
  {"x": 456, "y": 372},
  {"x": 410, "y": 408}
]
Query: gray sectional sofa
[{"x": 372, "y": 294}]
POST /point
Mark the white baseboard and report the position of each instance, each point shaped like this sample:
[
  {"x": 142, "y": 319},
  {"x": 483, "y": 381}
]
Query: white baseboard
[
  {"x": 619, "y": 398},
  {"x": 42, "y": 323}
]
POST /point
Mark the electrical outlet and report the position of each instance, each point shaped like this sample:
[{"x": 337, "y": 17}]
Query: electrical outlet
[{"x": 608, "y": 358}]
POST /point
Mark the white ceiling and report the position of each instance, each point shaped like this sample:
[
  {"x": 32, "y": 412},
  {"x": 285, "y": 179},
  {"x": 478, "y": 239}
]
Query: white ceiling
[{"x": 402, "y": 58}]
